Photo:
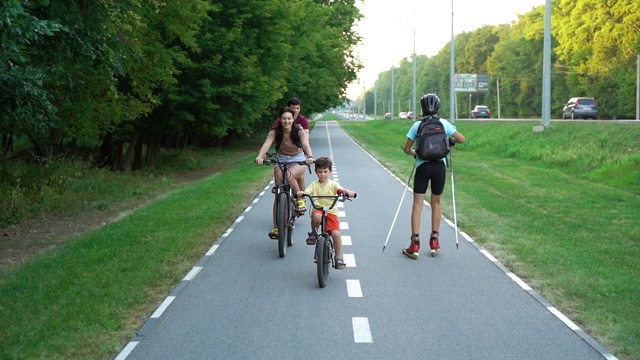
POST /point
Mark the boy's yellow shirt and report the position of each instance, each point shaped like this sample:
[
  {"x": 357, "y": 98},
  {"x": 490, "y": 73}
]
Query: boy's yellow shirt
[{"x": 328, "y": 189}]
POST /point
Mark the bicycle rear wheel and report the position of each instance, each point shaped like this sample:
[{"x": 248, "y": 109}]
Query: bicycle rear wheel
[
  {"x": 282, "y": 219},
  {"x": 291, "y": 223},
  {"x": 322, "y": 260}
]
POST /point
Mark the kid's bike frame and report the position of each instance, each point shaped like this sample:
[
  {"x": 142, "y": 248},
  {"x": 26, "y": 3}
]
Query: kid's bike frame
[
  {"x": 286, "y": 213},
  {"x": 324, "y": 252}
]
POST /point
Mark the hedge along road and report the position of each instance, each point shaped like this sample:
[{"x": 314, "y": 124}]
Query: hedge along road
[{"x": 242, "y": 301}]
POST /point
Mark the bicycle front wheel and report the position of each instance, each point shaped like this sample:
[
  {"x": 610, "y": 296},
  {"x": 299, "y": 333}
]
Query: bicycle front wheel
[
  {"x": 322, "y": 260},
  {"x": 282, "y": 219}
]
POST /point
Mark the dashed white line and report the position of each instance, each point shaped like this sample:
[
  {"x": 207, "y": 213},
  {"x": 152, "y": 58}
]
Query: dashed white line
[
  {"x": 349, "y": 260},
  {"x": 192, "y": 273},
  {"x": 563, "y": 318},
  {"x": 212, "y": 250},
  {"x": 353, "y": 288},
  {"x": 165, "y": 304},
  {"x": 127, "y": 350},
  {"x": 361, "y": 330},
  {"x": 346, "y": 240},
  {"x": 344, "y": 225},
  {"x": 519, "y": 281}
]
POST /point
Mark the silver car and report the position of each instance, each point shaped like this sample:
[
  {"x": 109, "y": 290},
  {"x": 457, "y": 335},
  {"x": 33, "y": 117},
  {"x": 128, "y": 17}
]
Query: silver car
[{"x": 580, "y": 107}]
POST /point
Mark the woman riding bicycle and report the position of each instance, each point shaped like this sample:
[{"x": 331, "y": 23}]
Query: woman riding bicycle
[{"x": 292, "y": 144}]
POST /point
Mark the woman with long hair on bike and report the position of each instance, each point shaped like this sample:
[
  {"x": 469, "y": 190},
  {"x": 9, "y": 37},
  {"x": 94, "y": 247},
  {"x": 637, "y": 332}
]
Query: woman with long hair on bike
[{"x": 291, "y": 144}]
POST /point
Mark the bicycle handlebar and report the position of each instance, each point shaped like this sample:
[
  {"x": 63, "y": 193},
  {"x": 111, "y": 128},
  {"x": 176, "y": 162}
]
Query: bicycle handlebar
[
  {"x": 275, "y": 161},
  {"x": 338, "y": 197}
]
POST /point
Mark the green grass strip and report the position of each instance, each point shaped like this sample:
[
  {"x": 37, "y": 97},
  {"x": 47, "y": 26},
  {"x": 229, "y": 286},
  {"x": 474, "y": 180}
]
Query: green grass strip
[
  {"x": 559, "y": 208},
  {"x": 86, "y": 298}
]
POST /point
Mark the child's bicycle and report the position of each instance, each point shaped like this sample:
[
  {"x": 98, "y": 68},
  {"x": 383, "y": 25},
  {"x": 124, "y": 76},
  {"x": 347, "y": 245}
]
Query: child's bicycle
[
  {"x": 323, "y": 254},
  {"x": 286, "y": 212}
]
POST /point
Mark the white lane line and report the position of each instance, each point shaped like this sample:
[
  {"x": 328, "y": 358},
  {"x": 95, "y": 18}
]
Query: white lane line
[
  {"x": 165, "y": 304},
  {"x": 342, "y": 214},
  {"x": 563, "y": 318},
  {"x": 192, "y": 273},
  {"x": 349, "y": 260},
  {"x": 344, "y": 225},
  {"x": 346, "y": 240},
  {"x": 353, "y": 288},
  {"x": 361, "y": 330},
  {"x": 519, "y": 281},
  {"x": 127, "y": 350},
  {"x": 212, "y": 250}
]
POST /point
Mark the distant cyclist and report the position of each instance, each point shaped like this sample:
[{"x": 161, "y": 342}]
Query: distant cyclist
[
  {"x": 291, "y": 144},
  {"x": 428, "y": 171}
]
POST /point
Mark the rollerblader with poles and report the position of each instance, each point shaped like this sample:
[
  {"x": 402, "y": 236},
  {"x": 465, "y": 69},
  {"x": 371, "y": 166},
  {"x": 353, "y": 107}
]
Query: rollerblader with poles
[{"x": 428, "y": 171}]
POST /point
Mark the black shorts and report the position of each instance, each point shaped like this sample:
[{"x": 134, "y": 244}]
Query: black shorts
[{"x": 434, "y": 171}]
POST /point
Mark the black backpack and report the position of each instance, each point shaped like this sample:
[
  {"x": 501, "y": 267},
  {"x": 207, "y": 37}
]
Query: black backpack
[{"x": 432, "y": 143}]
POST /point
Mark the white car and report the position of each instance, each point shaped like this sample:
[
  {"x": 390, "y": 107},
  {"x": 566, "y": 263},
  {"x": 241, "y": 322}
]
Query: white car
[{"x": 402, "y": 115}]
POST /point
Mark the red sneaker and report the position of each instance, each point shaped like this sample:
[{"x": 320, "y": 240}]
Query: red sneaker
[
  {"x": 412, "y": 250},
  {"x": 434, "y": 244}
]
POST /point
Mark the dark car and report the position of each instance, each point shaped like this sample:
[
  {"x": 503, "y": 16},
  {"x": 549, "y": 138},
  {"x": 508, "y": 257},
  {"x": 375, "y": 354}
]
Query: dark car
[
  {"x": 580, "y": 107},
  {"x": 480, "y": 111}
]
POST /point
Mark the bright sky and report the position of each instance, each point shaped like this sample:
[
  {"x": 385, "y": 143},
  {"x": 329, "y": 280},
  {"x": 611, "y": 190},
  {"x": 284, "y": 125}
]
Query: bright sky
[{"x": 388, "y": 29}]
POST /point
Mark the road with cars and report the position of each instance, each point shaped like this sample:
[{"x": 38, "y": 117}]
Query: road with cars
[{"x": 242, "y": 301}]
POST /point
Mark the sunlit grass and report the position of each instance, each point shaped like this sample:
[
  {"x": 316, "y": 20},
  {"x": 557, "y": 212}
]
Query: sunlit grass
[{"x": 559, "y": 208}]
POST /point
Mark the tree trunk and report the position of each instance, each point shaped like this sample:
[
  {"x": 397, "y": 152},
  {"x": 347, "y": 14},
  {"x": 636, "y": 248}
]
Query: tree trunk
[
  {"x": 116, "y": 164},
  {"x": 107, "y": 149},
  {"x": 7, "y": 143},
  {"x": 137, "y": 156},
  {"x": 128, "y": 160}
]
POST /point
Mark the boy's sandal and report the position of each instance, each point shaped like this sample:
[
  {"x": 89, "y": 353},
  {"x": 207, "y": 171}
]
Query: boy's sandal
[
  {"x": 340, "y": 264},
  {"x": 273, "y": 233},
  {"x": 311, "y": 240}
]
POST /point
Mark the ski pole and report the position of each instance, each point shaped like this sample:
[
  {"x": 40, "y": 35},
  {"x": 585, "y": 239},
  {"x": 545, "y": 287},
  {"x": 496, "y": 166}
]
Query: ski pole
[
  {"x": 399, "y": 205},
  {"x": 453, "y": 195}
]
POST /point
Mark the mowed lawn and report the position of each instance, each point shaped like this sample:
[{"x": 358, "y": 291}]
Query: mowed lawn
[{"x": 560, "y": 208}]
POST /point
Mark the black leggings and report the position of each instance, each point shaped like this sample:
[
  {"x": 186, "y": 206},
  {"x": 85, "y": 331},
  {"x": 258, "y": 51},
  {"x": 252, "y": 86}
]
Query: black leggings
[{"x": 434, "y": 171}]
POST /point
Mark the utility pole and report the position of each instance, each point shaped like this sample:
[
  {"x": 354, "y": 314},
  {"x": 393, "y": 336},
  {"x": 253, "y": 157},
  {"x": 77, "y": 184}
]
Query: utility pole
[
  {"x": 546, "y": 68},
  {"x": 638, "y": 87},
  {"x": 498, "y": 89},
  {"x": 375, "y": 100},
  {"x": 392, "y": 87},
  {"x": 452, "y": 94},
  {"x": 364, "y": 101},
  {"x": 413, "y": 109}
]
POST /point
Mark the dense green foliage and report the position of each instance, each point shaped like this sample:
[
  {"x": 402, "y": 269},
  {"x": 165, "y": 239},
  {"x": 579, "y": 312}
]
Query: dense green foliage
[
  {"x": 594, "y": 44},
  {"x": 136, "y": 74}
]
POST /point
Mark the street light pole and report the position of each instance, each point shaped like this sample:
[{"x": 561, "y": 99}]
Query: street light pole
[
  {"x": 364, "y": 101},
  {"x": 452, "y": 94},
  {"x": 546, "y": 67},
  {"x": 392, "y": 86},
  {"x": 414, "y": 65}
]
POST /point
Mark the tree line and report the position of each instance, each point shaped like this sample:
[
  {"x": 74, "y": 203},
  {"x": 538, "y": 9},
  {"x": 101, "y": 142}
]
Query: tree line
[
  {"x": 132, "y": 76},
  {"x": 594, "y": 54}
]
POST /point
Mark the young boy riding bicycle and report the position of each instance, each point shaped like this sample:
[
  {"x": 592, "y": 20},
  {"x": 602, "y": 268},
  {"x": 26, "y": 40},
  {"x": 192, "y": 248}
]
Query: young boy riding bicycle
[{"x": 326, "y": 187}]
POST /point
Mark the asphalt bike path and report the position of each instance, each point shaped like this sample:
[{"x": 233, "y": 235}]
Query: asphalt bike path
[{"x": 242, "y": 301}]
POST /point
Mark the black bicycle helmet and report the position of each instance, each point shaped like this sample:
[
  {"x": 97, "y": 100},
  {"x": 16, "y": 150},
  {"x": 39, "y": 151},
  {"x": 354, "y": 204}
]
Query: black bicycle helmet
[{"x": 430, "y": 104}]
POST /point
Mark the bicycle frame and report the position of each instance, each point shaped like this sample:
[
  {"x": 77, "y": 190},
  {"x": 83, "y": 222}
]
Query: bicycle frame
[
  {"x": 286, "y": 215},
  {"x": 324, "y": 251}
]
